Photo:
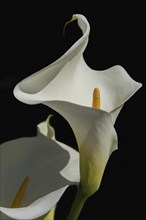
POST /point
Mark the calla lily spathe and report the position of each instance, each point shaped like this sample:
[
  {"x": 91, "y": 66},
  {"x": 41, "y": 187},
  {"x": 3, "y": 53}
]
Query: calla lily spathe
[
  {"x": 42, "y": 160},
  {"x": 70, "y": 79}
]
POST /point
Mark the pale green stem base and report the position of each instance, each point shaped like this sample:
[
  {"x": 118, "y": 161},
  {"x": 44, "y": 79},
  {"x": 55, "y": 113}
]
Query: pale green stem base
[{"x": 77, "y": 205}]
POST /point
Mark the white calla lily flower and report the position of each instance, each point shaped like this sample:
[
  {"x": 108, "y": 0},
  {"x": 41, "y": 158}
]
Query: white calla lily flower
[
  {"x": 70, "y": 79},
  {"x": 67, "y": 86},
  {"x": 36, "y": 163}
]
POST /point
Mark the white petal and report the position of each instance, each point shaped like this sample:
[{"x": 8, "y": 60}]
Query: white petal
[
  {"x": 70, "y": 79},
  {"x": 36, "y": 209},
  {"x": 39, "y": 158}
]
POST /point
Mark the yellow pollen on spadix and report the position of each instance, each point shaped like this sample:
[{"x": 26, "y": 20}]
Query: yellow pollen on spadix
[
  {"x": 20, "y": 194},
  {"x": 96, "y": 99}
]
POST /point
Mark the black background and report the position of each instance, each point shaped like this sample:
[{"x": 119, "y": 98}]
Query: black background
[{"x": 31, "y": 38}]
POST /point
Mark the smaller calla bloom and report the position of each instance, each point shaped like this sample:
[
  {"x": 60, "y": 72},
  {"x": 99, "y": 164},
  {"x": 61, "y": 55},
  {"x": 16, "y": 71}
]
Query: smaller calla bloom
[{"x": 31, "y": 179}]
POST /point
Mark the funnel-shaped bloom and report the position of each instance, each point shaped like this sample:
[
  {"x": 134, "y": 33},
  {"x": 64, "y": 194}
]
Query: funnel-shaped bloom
[
  {"x": 67, "y": 86},
  {"x": 34, "y": 165},
  {"x": 70, "y": 79}
]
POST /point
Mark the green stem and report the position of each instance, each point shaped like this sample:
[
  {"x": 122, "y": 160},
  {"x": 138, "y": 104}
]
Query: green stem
[{"x": 77, "y": 206}]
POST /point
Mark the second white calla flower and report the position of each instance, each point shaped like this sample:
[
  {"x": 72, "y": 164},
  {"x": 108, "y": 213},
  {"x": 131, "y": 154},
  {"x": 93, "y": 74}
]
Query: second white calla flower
[{"x": 36, "y": 163}]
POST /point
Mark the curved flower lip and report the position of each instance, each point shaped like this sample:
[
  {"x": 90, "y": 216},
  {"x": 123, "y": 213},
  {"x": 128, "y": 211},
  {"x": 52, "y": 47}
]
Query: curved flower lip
[
  {"x": 36, "y": 209},
  {"x": 47, "y": 163},
  {"x": 70, "y": 79},
  {"x": 56, "y": 66}
]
